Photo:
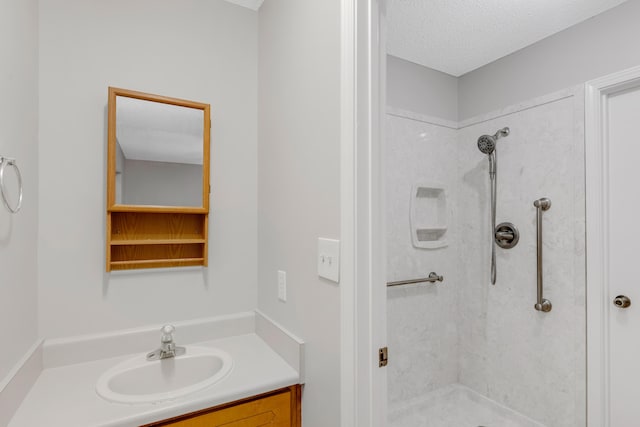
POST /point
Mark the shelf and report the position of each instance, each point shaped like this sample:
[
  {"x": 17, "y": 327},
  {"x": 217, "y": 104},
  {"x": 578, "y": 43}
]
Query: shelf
[
  {"x": 149, "y": 263},
  {"x": 158, "y": 209},
  {"x": 137, "y": 240},
  {"x": 428, "y": 216},
  {"x": 431, "y": 233},
  {"x": 156, "y": 242}
]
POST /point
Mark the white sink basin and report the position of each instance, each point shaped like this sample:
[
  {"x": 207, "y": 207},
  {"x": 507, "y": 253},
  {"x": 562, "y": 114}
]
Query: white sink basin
[{"x": 140, "y": 381}]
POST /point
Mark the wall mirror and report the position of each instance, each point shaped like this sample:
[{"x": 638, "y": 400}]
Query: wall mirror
[
  {"x": 157, "y": 181},
  {"x": 159, "y": 149}
]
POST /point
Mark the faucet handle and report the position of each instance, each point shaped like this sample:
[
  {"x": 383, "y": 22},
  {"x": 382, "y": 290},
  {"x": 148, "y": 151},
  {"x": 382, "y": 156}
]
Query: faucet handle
[{"x": 167, "y": 333}]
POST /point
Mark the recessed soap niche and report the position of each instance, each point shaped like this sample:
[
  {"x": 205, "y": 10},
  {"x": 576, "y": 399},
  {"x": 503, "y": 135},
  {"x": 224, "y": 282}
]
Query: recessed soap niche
[{"x": 428, "y": 216}]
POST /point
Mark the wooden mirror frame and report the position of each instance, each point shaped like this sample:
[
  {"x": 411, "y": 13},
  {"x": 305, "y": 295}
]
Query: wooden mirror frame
[{"x": 146, "y": 236}]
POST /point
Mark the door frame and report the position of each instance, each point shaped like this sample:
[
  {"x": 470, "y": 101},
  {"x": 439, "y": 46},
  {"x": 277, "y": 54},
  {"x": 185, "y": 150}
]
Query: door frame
[
  {"x": 597, "y": 245},
  {"x": 363, "y": 294}
]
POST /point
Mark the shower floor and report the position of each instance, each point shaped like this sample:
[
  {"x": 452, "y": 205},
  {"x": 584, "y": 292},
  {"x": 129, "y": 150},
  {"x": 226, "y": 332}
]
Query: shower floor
[{"x": 456, "y": 406}]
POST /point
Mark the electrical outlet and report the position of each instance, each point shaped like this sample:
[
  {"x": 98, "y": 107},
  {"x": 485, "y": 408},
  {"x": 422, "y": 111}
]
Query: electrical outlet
[{"x": 282, "y": 286}]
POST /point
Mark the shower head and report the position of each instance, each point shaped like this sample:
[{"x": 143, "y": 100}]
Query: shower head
[{"x": 487, "y": 143}]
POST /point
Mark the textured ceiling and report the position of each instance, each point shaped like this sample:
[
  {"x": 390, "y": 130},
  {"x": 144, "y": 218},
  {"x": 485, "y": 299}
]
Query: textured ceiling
[
  {"x": 159, "y": 132},
  {"x": 458, "y": 36},
  {"x": 251, "y": 4}
]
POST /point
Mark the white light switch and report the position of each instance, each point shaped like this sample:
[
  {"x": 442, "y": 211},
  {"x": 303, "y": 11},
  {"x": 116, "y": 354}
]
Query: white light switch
[
  {"x": 329, "y": 259},
  {"x": 282, "y": 286}
]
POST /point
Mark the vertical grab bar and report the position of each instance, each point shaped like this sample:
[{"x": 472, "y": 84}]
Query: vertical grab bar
[{"x": 541, "y": 205}]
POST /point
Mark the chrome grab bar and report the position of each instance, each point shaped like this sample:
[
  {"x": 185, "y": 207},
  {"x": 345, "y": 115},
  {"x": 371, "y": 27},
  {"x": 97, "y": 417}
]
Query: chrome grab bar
[
  {"x": 541, "y": 205},
  {"x": 433, "y": 277}
]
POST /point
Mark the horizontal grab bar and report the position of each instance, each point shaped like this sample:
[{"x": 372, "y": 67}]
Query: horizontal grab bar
[{"x": 433, "y": 277}]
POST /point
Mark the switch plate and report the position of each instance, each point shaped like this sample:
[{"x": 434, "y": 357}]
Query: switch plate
[
  {"x": 282, "y": 285},
  {"x": 329, "y": 259}
]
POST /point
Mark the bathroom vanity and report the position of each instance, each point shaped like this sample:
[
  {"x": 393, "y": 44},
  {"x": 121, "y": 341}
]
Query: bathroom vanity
[{"x": 262, "y": 387}]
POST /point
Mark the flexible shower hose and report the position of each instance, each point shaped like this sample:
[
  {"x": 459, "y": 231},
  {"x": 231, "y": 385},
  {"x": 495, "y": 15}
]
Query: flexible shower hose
[{"x": 494, "y": 187}]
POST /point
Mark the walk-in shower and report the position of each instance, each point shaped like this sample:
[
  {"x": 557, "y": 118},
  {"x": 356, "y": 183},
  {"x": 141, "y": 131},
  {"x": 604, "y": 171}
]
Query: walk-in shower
[
  {"x": 487, "y": 145},
  {"x": 463, "y": 352}
]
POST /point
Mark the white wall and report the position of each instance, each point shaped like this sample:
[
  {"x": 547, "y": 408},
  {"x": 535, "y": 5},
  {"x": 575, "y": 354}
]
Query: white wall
[
  {"x": 420, "y": 89},
  {"x": 299, "y": 185},
  {"x": 596, "y": 47},
  {"x": 18, "y": 139},
  {"x": 204, "y": 50}
]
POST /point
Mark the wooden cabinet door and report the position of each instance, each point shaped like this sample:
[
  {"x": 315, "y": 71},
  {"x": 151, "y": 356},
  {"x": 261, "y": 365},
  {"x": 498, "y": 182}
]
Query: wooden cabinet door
[{"x": 276, "y": 410}]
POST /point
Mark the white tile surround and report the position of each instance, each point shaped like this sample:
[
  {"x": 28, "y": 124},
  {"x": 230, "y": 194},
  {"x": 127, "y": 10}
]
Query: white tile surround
[
  {"x": 422, "y": 325},
  {"x": 464, "y": 330}
]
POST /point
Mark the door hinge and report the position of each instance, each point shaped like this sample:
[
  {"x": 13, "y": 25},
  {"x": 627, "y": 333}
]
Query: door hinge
[{"x": 383, "y": 357}]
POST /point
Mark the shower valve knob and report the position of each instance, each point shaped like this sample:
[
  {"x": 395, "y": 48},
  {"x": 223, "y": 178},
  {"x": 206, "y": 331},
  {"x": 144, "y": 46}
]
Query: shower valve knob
[{"x": 506, "y": 235}]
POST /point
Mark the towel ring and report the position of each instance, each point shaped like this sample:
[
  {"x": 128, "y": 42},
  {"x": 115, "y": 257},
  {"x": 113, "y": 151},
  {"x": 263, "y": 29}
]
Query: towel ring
[{"x": 4, "y": 161}]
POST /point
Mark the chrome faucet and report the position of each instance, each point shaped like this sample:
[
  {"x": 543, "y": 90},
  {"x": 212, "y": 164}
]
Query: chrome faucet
[{"x": 167, "y": 347}]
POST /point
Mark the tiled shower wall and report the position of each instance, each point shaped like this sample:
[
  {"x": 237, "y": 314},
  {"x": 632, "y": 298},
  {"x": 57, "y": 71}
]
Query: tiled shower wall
[
  {"x": 422, "y": 319},
  {"x": 465, "y": 330}
]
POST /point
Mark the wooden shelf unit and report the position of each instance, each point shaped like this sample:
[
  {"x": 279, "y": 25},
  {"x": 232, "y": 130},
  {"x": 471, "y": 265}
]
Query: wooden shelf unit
[
  {"x": 155, "y": 236},
  {"x": 155, "y": 239}
]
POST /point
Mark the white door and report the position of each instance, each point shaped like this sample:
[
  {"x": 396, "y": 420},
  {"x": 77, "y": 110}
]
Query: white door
[
  {"x": 613, "y": 249},
  {"x": 624, "y": 256}
]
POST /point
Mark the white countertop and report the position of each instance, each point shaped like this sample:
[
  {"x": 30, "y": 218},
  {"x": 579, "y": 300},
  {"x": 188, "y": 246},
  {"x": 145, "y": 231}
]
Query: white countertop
[{"x": 65, "y": 396}]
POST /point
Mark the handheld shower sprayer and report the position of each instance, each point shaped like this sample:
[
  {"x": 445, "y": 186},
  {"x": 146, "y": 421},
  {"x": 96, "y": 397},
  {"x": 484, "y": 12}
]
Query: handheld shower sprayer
[{"x": 487, "y": 145}]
